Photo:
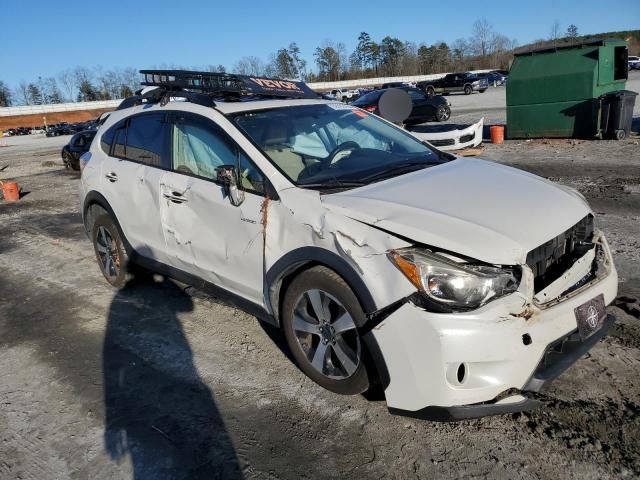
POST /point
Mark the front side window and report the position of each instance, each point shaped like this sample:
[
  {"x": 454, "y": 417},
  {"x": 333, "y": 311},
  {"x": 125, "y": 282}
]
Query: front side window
[
  {"x": 331, "y": 143},
  {"x": 198, "y": 149}
]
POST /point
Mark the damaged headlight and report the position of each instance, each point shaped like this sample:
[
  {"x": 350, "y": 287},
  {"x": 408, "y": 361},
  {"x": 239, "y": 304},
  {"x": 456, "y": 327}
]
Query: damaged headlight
[{"x": 456, "y": 286}]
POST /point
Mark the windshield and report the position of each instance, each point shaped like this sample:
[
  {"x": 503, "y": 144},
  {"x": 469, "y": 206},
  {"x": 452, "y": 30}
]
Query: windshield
[{"x": 334, "y": 144}]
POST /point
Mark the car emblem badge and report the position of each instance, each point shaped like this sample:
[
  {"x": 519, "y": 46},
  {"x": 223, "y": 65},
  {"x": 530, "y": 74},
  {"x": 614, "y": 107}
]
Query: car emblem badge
[{"x": 592, "y": 317}]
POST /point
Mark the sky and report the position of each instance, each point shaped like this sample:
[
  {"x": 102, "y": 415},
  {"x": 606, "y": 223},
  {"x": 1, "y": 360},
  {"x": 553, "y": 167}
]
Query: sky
[{"x": 44, "y": 37}]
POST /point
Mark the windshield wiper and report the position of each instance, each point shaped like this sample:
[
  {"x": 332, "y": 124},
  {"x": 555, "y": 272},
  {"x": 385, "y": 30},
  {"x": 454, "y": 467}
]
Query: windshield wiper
[
  {"x": 332, "y": 184},
  {"x": 399, "y": 169}
]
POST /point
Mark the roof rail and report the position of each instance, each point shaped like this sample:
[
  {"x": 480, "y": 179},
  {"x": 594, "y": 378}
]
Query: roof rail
[{"x": 226, "y": 84}]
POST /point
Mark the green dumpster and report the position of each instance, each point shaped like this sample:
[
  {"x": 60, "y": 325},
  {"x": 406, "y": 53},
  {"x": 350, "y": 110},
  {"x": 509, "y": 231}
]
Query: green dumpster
[{"x": 554, "y": 92}]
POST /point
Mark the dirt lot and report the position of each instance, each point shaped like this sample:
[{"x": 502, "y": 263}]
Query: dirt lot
[{"x": 209, "y": 392}]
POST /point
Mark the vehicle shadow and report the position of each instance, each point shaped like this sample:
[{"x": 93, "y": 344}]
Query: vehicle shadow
[{"x": 158, "y": 411}]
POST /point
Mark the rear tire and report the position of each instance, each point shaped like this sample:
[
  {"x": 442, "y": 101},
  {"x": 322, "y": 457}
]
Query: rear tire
[
  {"x": 431, "y": 91},
  {"x": 109, "y": 249},
  {"x": 320, "y": 314}
]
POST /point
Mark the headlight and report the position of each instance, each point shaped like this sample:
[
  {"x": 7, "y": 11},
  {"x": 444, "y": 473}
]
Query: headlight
[{"x": 454, "y": 285}]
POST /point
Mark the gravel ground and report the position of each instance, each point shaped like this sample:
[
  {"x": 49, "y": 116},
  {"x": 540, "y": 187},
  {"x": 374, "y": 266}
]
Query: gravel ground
[{"x": 156, "y": 381}]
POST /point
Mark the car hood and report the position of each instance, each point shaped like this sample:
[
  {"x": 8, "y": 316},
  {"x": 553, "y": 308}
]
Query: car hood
[{"x": 473, "y": 207}]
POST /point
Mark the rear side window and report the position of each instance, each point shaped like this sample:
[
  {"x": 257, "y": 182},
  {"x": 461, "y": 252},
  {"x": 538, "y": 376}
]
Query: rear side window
[
  {"x": 147, "y": 141},
  {"x": 415, "y": 94}
]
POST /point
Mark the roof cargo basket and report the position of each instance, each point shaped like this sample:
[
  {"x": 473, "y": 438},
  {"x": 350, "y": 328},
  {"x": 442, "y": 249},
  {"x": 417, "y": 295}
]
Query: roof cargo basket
[{"x": 226, "y": 84}]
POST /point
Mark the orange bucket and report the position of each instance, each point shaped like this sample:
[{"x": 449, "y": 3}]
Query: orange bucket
[
  {"x": 10, "y": 191},
  {"x": 497, "y": 133}
]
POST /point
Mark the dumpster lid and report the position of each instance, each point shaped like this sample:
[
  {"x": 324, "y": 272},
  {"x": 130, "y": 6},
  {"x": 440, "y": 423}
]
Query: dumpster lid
[
  {"x": 620, "y": 93},
  {"x": 592, "y": 43}
]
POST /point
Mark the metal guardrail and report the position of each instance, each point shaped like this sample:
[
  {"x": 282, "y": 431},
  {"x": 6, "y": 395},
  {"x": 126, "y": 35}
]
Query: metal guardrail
[
  {"x": 369, "y": 82},
  {"x": 57, "y": 107}
]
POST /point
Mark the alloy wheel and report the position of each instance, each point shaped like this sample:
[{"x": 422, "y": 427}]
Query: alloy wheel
[
  {"x": 327, "y": 334},
  {"x": 108, "y": 253}
]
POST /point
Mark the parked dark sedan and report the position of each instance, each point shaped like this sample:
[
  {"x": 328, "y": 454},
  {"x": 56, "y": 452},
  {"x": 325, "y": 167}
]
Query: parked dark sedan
[
  {"x": 78, "y": 145},
  {"x": 426, "y": 108}
]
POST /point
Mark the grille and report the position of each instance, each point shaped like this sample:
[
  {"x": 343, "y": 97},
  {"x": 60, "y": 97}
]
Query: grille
[
  {"x": 442, "y": 143},
  {"x": 551, "y": 259},
  {"x": 466, "y": 138}
]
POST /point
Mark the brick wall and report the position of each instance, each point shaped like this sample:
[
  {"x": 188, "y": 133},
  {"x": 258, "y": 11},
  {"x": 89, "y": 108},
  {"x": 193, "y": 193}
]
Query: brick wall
[{"x": 36, "y": 120}]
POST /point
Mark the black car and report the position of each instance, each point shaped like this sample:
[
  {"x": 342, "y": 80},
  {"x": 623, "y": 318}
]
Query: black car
[
  {"x": 426, "y": 108},
  {"x": 465, "y": 82},
  {"x": 78, "y": 145}
]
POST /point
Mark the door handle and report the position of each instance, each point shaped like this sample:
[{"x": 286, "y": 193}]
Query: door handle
[
  {"x": 112, "y": 177},
  {"x": 175, "y": 197}
]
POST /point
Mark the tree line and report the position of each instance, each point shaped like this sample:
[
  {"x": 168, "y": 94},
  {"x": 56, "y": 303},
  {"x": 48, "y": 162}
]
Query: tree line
[
  {"x": 391, "y": 56},
  {"x": 80, "y": 84}
]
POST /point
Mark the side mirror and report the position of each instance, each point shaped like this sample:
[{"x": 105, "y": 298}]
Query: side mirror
[{"x": 228, "y": 176}]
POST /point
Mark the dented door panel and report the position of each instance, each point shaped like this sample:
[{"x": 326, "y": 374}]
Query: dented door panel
[{"x": 209, "y": 237}]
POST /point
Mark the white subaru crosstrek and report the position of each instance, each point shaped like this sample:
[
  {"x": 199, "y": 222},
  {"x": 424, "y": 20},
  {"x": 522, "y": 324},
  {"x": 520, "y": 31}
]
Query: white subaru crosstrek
[{"x": 457, "y": 284}]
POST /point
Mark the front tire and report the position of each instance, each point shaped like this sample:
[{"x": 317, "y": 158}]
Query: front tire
[
  {"x": 320, "y": 314},
  {"x": 109, "y": 249},
  {"x": 468, "y": 90}
]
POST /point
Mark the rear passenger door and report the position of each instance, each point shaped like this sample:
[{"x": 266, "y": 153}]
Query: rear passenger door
[
  {"x": 205, "y": 234},
  {"x": 138, "y": 156}
]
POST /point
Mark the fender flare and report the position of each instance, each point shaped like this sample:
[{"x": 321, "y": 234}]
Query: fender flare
[
  {"x": 96, "y": 198},
  {"x": 293, "y": 260}
]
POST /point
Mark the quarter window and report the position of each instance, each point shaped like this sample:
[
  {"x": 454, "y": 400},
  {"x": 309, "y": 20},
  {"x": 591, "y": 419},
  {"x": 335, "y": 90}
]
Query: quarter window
[{"x": 106, "y": 140}]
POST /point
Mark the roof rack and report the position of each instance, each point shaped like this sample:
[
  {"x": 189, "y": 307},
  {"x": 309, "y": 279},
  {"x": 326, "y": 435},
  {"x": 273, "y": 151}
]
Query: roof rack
[
  {"x": 226, "y": 84},
  {"x": 203, "y": 87}
]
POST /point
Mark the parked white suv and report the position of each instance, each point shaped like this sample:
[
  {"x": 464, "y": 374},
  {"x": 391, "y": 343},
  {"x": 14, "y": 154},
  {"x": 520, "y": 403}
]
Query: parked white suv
[{"x": 457, "y": 284}]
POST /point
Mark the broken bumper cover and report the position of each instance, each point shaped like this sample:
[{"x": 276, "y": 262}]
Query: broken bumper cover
[
  {"x": 455, "y": 139},
  {"x": 559, "y": 356},
  {"x": 454, "y": 366}
]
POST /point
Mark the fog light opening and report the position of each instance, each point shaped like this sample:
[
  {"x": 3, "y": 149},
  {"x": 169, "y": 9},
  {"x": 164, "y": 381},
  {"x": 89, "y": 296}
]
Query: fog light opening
[
  {"x": 526, "y": 339},
  {"x": 461, "y": 374}
]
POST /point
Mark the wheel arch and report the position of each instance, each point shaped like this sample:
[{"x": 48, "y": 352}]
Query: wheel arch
[
  {"x": 89, "y": 211},
  {"x": 280, "y": 275}
]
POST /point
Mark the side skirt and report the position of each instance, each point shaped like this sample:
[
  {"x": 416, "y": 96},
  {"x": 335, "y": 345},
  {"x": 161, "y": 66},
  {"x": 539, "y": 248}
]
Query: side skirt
[{"x": 209, "y": 288}]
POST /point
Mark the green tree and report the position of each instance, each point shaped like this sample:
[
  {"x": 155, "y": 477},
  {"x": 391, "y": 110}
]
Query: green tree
[
  {"x": 35, "y": 95},
  {"x": 572, "y": 31},
  {"x": 285, "y": 65},
  {"x": 5, "y": 95},
  {"x": 328, "y": 62},
  {"x": 87, "y": 92},
  {"x": 299, "y": 63},
  {"x": 391, "y": 52}
]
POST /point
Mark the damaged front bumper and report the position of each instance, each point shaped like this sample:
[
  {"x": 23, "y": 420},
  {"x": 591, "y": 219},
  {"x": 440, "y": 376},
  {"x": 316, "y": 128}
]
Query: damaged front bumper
[
  {"x": 454, "y": 366},
  {"x": 558, "y": 357}
]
